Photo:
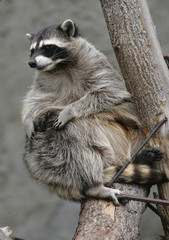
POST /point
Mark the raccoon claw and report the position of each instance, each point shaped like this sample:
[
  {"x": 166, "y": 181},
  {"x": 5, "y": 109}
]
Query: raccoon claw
[
  {"x": 32, "y": 136},
  {"x": 57, "y": 124},
  {"x": 156, "y": 154},
  {"x": 114, "y": 194},
  {"x": 64, "y": 116},
  {"x": 29, "y": 126}
]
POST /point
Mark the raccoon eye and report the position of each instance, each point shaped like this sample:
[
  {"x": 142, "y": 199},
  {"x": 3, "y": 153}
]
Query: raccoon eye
[{"x": 50, "y": 48}]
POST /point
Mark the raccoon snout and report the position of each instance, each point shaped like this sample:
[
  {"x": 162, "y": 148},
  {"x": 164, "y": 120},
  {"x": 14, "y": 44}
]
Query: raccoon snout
[{"x": 32, "y": 63}]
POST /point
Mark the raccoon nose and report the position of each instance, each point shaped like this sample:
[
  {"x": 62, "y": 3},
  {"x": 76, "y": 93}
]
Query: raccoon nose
[{"x": 32, "y": 63}]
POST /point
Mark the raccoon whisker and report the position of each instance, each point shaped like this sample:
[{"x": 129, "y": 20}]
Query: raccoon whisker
[
  {"x": 25, "y": 60},
  {"x": 57, "y": 55}
]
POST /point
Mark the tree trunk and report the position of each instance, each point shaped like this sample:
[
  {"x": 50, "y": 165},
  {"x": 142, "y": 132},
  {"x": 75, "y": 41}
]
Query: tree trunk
[
  {"x": 101, "y": 220},
  {"x": 138, "y": 52},
  {"x": 139, "y": 55}
]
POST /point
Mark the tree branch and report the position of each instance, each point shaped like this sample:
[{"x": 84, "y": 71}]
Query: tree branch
[
  {"x": 101, "y": 220},
  {"x": 143, "y": 199},
  {"x": 139, "y": 55},
  {"x": 158, "y": 213}
]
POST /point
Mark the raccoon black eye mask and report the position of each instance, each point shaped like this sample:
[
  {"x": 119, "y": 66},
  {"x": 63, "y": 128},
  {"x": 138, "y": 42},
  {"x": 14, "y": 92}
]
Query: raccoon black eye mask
[{"x": 54, "y": 52}]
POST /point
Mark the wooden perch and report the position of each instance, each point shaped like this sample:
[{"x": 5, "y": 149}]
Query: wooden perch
[{"x": 138, "y": 52}]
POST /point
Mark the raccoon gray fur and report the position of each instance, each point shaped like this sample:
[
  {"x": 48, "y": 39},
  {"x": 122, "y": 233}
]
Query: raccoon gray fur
[{"x": 80, "y": 120}]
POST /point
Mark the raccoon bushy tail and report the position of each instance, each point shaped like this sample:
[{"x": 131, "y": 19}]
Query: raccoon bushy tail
[
  {"x": 134, "y": 173},
  {"x": 140, "y": 171}
]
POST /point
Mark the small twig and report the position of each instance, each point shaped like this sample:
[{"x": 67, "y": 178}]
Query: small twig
[
  {"x": 158, "y": 213},
  {"x": 15, "y": 238},
  {"x": 163, "y": 212},
  {"x": 143, "y": 199},
  {"x": 148, "y": 201}
]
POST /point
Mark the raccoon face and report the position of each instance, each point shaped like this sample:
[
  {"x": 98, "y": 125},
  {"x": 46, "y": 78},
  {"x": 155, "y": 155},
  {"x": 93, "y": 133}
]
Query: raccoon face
[{"x": 52, "y": 47}]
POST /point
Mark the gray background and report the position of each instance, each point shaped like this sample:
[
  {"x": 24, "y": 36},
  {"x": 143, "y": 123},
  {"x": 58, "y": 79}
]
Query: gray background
[{"x": 31, "y": 211}]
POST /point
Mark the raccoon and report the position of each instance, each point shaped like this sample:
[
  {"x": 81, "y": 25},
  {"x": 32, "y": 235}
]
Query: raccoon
[{"x": 80, "y": 122}]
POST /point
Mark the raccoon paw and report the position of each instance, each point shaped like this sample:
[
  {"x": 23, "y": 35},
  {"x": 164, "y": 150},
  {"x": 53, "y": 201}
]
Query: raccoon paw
[
  {"x": 29, "y": 127},
  {"x": 102, "y": 192},
  {"x": 113, "y": 196},
  {"x": 64, "y": 117},
  {"x": 148, "y": 156}
]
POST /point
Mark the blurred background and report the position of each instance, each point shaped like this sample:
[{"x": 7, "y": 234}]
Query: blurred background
[{"x": 31, "y": 211}]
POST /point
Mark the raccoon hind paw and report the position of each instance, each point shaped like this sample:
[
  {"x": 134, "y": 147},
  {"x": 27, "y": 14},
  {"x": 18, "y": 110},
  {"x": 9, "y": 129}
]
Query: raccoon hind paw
[{"x": 148, "y": 156}]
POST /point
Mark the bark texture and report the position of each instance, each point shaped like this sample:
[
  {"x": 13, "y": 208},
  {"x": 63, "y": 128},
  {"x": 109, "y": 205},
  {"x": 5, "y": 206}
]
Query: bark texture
[
  {"x": 133, "y": 37},
  {"x": 101, "y": 220}
]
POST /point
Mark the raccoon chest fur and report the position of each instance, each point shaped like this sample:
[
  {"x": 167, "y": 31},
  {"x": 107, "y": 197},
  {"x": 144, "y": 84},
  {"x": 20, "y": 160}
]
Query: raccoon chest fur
[{"x": 64, "y": 87}]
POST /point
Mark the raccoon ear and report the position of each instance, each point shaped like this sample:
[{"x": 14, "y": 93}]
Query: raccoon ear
[
  {"x": 29, "y": 36},
  {"x": 68, "y": 26}
]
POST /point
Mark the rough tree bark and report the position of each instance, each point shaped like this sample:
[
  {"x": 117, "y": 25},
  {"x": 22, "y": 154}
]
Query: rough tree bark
[
  {"x": 101, "y": 220},
  {"x": 138, "y": 52}
]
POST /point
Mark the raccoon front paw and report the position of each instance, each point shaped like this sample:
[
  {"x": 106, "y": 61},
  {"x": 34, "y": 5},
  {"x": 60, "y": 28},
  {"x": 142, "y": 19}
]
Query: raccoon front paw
[{"x": 64, "y": 117}]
